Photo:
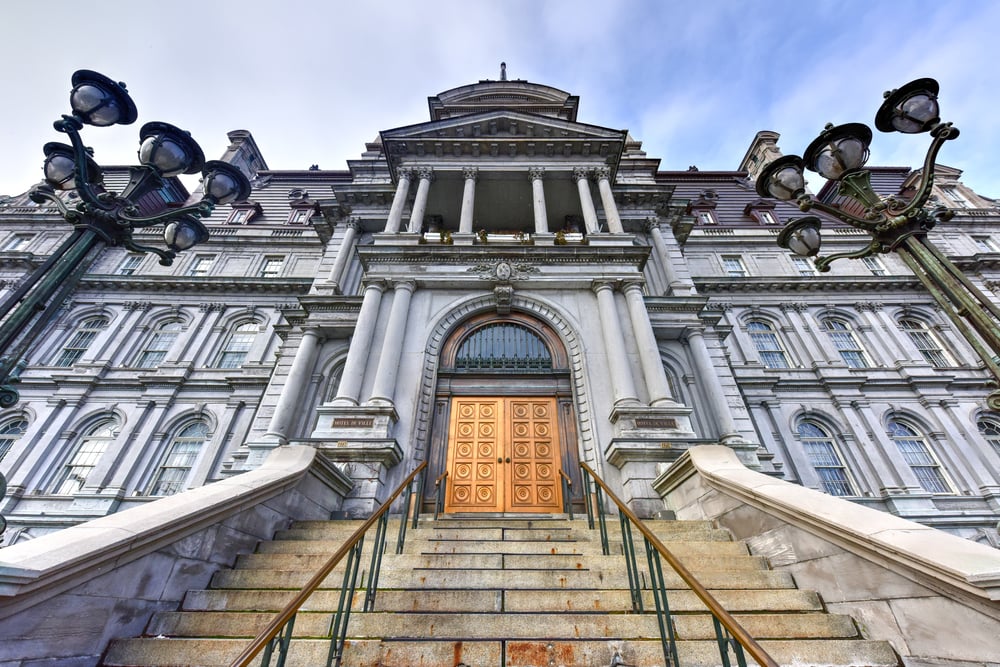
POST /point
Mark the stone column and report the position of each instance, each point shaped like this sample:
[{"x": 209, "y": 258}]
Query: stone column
[
  {"x": 622, "y": 384},
  {"x": 716, "y": 396},
  {"x": 536, "y": 174},
  {"x": 426, "y": 175},
  {"x": 398, "y": 201},
  {"x": 357, "y": 357},
  {"x": 645, "y": 340},
  {"x": 586, "y": 201},
  {"x": 392, "y": 345},
  {"x": 470, "y": 174},
  {"x": 290, "y": 399},
  {"x": 344, "y": 253},
  {"x": 603, "y": 175},
  {"x": 662, "y": 253}
]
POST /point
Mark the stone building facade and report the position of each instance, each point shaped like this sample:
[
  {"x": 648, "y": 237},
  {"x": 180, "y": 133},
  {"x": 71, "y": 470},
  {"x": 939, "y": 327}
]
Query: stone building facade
[{"x": 504, "y": 291}]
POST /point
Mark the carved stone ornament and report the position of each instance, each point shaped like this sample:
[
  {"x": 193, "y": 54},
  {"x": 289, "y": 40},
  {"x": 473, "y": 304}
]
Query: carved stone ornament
[
  {"x": 536, "y": 173},
  {"x": 425, "y": 173},
  {"x": 503, "y": 271},
  {"x": 602, "y": 173},
  {"x": 505, "y": 296},
  {"x": 470, "y": 173},
  {"x": 581, "y": 173}
]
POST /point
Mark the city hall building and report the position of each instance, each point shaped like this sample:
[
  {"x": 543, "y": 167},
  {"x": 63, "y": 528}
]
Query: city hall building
[{"x": 504, "y": 289}]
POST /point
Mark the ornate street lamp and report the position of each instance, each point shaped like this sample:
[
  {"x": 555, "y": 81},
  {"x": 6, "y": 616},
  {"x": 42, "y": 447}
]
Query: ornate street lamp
[
  {"x": 102, "y": 218},
  {"x": 895, "y": 224}
]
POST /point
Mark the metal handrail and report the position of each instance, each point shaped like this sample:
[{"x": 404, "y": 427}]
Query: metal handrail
[
  {"x": 440, "y": 485},
  {"x": 653, "y": 544},
  {"x": 567, "y": 485},
  {"x": 285, "y": 620}
]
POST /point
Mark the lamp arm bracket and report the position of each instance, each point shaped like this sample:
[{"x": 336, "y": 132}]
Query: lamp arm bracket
[
  {"x": 873, "y": 248},
  {"x": 941, "y": 132},
  {"x": 203, "y": 208},
  {"x": 806, "y": 202},
  {"x": 166, "y": 256},
  {"x": 71, "y": 126},
  {"x": 43, "y": 192}
]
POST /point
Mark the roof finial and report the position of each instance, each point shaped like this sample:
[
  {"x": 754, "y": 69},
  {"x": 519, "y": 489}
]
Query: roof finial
[{"x": 503, "y": 71}]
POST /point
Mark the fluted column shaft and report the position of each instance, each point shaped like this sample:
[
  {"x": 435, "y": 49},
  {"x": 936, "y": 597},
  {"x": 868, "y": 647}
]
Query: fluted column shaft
[
  {"x": 662, "y": 253},
  {"x": 468, "y": 200},
  {"x": 291, "y": 394},
  {"x": 536, "y": 174},
  {"x": 344, "y": 253},
  {"x": 392, "y": 345},
  {"x": 398, "y": 202},
  {"x": 349, "y": 390},
  {"x": 622, "y": 384},
  {"x": 645, "y": 340},
  {"x": 586, "y": 200},
  {"x": 716, "y": 396},
  {"x": 420, "y": 201},
  {"x": 603, "y": 175}
]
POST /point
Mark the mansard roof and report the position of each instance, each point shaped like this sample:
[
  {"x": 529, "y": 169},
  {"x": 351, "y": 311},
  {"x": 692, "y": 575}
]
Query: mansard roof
[{"x": 518, "y": 94}]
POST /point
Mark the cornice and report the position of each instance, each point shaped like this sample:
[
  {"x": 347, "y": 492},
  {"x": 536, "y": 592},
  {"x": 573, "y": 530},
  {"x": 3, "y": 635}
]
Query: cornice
[
  {"x": 465, "y": 255},
  {"x": 810, "y": 284},
  {"x": 199, "y": 284}
]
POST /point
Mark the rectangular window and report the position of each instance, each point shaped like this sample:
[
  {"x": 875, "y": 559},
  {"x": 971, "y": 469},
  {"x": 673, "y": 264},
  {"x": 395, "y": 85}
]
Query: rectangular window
[
  {"x": 129, "y": 265},
  {"x": 201, "y": 265},
  {"x": 299, "y": 216},
  {"x": 804, "y": 266},
  {"x": 74, "y": 475},
  {"x": 733, "y": 266},
  {"x": 874, "y": 265},
  {"x": 239, "y": 216},
  {"x": 956, "y": 197},
  {"x": 829, "y": 467},
  {"x": 17, "y": 242},
  {"x": 767, "y": 217},
  {"x": 985, "y": 244},
  {"x": 272, "y": 266}
]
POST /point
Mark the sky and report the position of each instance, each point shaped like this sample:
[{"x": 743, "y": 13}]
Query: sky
[{"x": 313, "y": 81}]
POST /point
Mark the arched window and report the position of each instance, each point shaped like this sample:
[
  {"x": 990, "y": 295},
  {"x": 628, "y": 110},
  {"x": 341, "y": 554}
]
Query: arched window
[
  {"x": 990, "y": 428},
  {"x": 927, "y": 343},
  {"x": 234, "y": 352},
  {"x": 768, "y": 344},
  {"x": 158, "y": 344},
  {"x": 843, "y": 338},
  {"x": 503, "y": 346},
  {"x": 10, "y": 432},
  {"x": 825, "y": 458},
  {"x": 184, "y": 449},
  {"x": 87, "y": 452},
  {"x": 81, "y": 339},
  {"x": 913, "y": 445}
]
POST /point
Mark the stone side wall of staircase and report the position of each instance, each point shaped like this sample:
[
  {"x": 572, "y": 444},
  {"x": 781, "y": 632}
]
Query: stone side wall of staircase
[{"x": 500, "y": 592}]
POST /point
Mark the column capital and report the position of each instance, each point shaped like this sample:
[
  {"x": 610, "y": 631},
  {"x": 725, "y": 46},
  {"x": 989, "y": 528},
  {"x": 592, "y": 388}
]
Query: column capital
[
  {"x": 602, "y": 173},
  {"x": 470, "y": 173},
  {"x": 405, "y": 173},
  {"x": 581, "y": 173},
  {"x": 600, "y": 285},
  {"x": 651, "y": 223},
  {"x": 376, "y": 284},
  {"x": 406, "y": 285},
  {"x": 354, "y": 223},
  {"x": 424, "y": 173},
  {"x": 632, "y": 286},
  {"x": 536, "y": 173}
]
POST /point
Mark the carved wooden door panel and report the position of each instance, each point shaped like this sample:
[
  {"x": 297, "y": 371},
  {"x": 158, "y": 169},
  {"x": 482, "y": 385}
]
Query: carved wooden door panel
[{"x": 503, "y": 456}]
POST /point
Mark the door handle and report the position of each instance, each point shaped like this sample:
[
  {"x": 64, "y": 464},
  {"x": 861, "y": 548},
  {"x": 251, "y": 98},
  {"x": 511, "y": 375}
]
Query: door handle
[
  {"x": 508, "y": 459},
  {"x": 499, "y": 460}
]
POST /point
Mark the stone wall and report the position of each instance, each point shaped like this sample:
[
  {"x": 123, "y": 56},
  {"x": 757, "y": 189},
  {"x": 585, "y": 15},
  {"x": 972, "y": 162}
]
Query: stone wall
[
  {"x": 934, "y": 596},
  {"x": 64, "y": 596}
]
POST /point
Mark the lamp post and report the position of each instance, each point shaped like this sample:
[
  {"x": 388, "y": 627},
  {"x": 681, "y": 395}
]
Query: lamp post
[
  {"x": 894, "y": 224},
  {"x": 100, "y": 217}
]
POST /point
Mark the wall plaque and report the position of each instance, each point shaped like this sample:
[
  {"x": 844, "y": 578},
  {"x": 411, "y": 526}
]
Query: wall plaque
[
  {"x": 643, "y": 422},
  {"x": 353, "y": 422}
]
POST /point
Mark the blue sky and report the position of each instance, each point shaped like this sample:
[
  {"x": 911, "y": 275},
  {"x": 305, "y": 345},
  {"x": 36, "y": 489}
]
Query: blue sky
[{"x": 313, "y": 81}]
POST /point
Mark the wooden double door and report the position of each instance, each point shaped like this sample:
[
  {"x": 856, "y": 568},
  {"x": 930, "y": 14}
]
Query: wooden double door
[{"x": 503, "y": 455}]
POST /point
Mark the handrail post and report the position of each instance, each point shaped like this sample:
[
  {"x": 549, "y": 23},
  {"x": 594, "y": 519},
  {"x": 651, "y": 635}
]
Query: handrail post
[
  {"x": 338, "y": 631},
  {"x": 628, "y": 548},
  {"x": 404, "y": 518},
  {"x": 440, "y": 485},
  {"x": 601, "y": 520},
  {"x": 421, "y": 479},
  {"x": 663, "y": 617},
  {"x": 378, "y": 548},
  {"x": 587, "y": 499}
]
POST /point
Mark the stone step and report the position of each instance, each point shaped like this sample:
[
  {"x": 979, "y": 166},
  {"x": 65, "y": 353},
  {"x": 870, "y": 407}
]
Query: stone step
[
  {"x": 507, "y": 534},
  {"x": 506, "y": 579},
  {"x": 460, "y": 561},
  {"x": 472, "y": 627},
  {"x": 546, "y": 653},
  {"x": 681, "y": 601}
]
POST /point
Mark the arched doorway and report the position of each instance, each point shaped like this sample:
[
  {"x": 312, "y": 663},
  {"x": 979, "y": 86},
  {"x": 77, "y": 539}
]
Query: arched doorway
[{"x": 504, "y": 424}]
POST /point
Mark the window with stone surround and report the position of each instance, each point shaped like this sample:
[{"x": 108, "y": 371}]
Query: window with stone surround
[
  {"x": 201, "y": 265},
  {"x": 10, "y": 432},
  {"x": 733, "y": 266},
  {"x": 85, "y": 455},
  {"x": 842, "y": 336},
  {"x": 159, "y": 343},
  {"x": 804, "y": 266},
  {"x": 990, "y": 428},
  {"x": 927, "y": 342},
  {"x": 919, "y": 456},
  {"x": 272, "y": 266},
  {"x": 129, "y": 265},
  {"x": 825, "y": 458},
  {"x": 80, "y": 340},
  {"x": 180, "y": 457},
  {"x": 238, "y": 345},
  {"x": 875, "y": 265},
  {"x": 767, "y": 343}
]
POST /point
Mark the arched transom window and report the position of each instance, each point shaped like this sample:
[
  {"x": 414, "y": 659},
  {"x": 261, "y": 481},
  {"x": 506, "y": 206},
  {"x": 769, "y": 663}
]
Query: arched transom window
[
  {"x": 173, "y": 471},
  {"x": 919, "y": 456},
  {"x": 503, "y": 346},
  {"x": 824, "y": 457}
]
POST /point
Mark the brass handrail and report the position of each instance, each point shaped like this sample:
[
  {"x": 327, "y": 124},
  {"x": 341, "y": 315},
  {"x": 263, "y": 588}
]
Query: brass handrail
[
  {"x": 439, "y": 491},
  {"x": 562, "y": 473},
  {"x": 278, "y": 622},
  {"x": 728, "y": 621}
]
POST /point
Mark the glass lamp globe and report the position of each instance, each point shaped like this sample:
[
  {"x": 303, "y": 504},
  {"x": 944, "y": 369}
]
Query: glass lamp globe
[
  {"x": 169, "y": 150},
  {"x": 839, "y": 150},
  {"x": 60, "y": 166},
  {"x": 802, "y": 236},
  {"x": 782, "y": 179},
  {"x": 224, "y": 183},
  {"x": 911, "y": 109},
  {"x": 97, "y": 100},
  {"x": 184, "y": 233}
]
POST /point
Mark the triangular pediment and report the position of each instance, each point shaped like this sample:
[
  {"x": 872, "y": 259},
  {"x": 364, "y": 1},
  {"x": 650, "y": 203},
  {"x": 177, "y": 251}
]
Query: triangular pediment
[{"x": 503, "y": 133}]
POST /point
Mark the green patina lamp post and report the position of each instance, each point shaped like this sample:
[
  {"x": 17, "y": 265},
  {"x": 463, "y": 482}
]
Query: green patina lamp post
[
  {"x": 895, "y": 224},
  {"x": 100, "y": 217}
]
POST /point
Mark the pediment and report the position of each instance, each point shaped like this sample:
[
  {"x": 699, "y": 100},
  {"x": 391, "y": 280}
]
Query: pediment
[{"x": 503, "y": 133}]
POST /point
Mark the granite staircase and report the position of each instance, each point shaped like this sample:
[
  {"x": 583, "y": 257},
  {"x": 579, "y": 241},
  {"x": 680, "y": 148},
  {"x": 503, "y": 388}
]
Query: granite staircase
[{"x": 500, "y": 592}]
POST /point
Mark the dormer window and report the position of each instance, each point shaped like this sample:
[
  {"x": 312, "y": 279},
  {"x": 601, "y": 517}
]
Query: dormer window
[
  {"x": 762, "y": 211},
  {"x": 703, "y": 208},
  {"x": 243, "y": 212},
  {"x": 300, "y": 216},
  {"x": 706, "y": 218},
  {"x": 239, "y": 216}
]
